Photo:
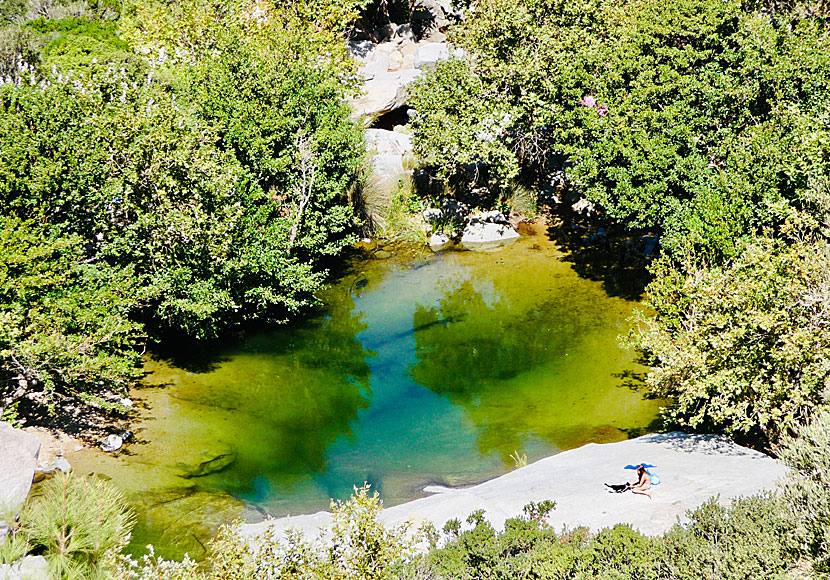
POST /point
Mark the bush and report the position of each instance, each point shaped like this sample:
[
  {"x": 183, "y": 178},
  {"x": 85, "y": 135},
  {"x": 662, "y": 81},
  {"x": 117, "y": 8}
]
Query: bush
[
  {"x": 81, "y": 524},
  {"x": 743, "y": 348},
  {"x": 807, "y": 493}
]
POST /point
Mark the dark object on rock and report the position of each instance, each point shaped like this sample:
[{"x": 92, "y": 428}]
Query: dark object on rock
[{"x": 618, "y": 487}]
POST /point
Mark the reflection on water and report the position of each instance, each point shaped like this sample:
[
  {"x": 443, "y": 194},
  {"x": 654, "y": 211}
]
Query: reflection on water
[{"x": 419, "y": 370}]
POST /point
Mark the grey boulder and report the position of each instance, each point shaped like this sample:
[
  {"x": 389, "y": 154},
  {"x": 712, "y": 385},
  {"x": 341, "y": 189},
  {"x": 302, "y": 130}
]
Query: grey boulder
[
  {"x": 27, "y": 568},
  {"x": 439, "y": 241},
  {"x": 483, "y": 236},
  {"x": 18, "y": 460}
]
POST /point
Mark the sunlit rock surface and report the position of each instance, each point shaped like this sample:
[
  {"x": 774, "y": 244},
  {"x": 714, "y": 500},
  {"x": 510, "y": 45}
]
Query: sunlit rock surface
[
  {"x": 692, "y": 468},
  {"x": 18, "y": 459}
]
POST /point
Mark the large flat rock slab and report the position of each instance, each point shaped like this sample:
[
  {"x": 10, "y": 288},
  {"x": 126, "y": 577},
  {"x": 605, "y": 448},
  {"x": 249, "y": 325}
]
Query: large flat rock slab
[
  {"x": 18, "y": 459},
  {"x": 692, "y": 468}
]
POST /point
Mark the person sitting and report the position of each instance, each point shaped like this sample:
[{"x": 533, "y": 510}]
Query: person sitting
[{"x": 643, "y": 483}]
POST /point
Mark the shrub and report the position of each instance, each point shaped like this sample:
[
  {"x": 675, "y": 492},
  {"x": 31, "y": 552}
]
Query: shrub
[{"x": 80, "y": 523}]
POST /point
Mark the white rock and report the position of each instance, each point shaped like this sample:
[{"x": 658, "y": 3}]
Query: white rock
[
  {"x": 693, "y": 468},
  {"x": 61, "y": 464},
  {"x": 495, "y": 217},
  {"x": 439, "y": 241},
  {"x": 388, "y": 142},
  {"x": 432, "y": 215},
  {"x": 487, "y": 236},
  {"x": 27, "y": 568},
  {"x": 112, "y": 443},
  {"x": 18, "y": 460},
  {"x": 126, "y": 403},
  {"x": 430, "y": 53},
  {"x": 385, "y": 92}
]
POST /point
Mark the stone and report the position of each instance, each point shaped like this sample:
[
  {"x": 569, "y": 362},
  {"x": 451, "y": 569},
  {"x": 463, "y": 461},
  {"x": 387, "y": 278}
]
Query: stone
[
  {"x": 126, "y": 403},
  {"x": 388, "y": 142},
  {"x": 18, "y": 460},
  {"x": 27, "y": 568},
  {"x": 433, "y": 215},
  {"x": 61, "y": 464},
  {"x": 454, "y": 209},
  {"x": 210, "y": 461},
  {"x": 430, "y": 53},
  {"x": 438, "y": 13},
  {"x": 395, "y": 61},
  {"x": 385, "y": 91},
  {"x": 487, "y": 236},
  {"x": 112, "y": 443},
  {"x": 693, "y": 468},
  {"x": 439, "y": 241},
  {"x": 360, "y": 50},
  {"x": 583, "y": 206},
  {"x": 494, "y": 217}
]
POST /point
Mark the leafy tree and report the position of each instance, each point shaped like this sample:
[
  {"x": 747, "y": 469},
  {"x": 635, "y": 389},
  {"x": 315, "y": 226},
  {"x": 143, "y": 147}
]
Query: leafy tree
[
  {"x": 743, "y": 347},
  {"x": 212, "y": 172},
  {"x": 667, "y": 114},
  {"x": 65, "y": 335}
]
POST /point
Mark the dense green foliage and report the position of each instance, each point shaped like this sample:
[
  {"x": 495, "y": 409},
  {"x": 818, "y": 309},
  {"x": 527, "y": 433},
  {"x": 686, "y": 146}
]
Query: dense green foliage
[
  {"x": 748, "y": 540},
  {"x": 807, "y": 495},
  {"x": 702, "y": 117},
  {"x": 742, "y": 347},
  {"x": 194, "y": 159},
  {"x": 64, "y": 319}
]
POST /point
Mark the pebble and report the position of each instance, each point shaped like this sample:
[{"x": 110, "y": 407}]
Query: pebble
[
  {"x": 112, "y": 443},
  {"x": 61, "y": 464}
]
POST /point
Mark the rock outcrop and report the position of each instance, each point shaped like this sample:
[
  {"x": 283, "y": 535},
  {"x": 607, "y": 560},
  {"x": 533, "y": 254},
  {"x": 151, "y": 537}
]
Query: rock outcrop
[
  {"x": 693, "y": 468},
  {"x": 27, "y": 568},
  {"x": 18, "y": 460},
  {"x": 387, "y": 68},
  {"x": 209, "y": 461}
]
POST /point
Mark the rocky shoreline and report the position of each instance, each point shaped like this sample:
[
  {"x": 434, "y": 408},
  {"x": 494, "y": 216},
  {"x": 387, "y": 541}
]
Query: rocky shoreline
[{"x": 693, "y": 468}]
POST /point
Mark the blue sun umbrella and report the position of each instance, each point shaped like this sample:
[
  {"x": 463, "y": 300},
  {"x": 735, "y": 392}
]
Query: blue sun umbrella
[{"x": 655, "y": 479}]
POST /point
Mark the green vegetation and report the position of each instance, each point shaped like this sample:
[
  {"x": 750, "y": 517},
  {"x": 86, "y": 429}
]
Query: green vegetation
[
  {"x": 178, "y": 169},
  {"x": 701, "y": 119},
  {"x": 79, "y": 524},
  {"x": 189, "y": 174},
  {"x": 743, "y": 346}
]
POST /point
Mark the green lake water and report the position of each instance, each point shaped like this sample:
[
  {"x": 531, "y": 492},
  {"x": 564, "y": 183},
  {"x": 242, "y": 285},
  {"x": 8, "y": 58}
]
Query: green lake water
[{"x": 419, "y": 369}]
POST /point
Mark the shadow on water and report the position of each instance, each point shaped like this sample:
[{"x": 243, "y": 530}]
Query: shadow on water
[
  {"x": 528, "y": 369},
  {"x": 606, "y": 252}
]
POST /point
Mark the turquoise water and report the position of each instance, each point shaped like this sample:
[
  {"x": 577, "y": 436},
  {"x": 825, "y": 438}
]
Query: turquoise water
[{"x": 419, "y": 369}]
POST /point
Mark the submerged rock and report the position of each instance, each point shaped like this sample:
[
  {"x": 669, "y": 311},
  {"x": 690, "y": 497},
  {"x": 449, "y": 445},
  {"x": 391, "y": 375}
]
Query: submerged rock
[
  {"x": 212, "y": 461},
  {"x": 487, "y": 236}
]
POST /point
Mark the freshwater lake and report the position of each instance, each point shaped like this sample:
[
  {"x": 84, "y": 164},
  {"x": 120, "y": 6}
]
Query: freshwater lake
[{"x": 418, "y": 369}]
